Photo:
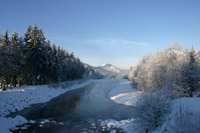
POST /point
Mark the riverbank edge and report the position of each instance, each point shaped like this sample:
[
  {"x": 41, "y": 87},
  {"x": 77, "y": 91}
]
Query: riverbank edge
[
  {"x": 124, "y": 94},
  {"x": 10, "y": 100}
]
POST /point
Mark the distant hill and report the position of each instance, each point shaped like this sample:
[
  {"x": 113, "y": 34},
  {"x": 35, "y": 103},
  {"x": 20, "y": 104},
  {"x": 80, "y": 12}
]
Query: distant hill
[
  {"x": 111, "y": 71},
  {"x": 109, "y": 68}
]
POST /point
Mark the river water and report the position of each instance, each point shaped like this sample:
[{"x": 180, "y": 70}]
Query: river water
[{"x": 80, "y": 110}]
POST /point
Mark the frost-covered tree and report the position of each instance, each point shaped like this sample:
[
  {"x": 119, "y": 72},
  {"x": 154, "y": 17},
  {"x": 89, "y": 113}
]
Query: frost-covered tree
[
  {"x": 151, "y": 110},
  {"x": 191, "y": 76},
  {"x": 171, "y": 68}
]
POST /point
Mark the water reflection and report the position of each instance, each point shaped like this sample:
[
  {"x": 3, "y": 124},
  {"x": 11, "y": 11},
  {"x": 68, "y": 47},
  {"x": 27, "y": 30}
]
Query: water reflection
[{"x": 78, "y": 110}]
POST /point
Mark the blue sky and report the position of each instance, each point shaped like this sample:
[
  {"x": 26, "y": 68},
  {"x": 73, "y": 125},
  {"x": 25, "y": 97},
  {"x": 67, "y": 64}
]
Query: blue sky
[{"x": 119, "y": 32}]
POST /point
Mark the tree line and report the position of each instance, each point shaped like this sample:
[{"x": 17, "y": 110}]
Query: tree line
[
  {"x": 33, "y": 60},
  {"x": 164, "y": 76},
  {"x": 173, "y": 69}
]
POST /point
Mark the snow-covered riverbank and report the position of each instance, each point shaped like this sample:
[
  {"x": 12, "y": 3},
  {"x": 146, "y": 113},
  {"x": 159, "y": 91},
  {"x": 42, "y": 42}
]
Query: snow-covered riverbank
[
  {"x": 18, "y": 98},
  {"x": 123, "y": 93},
  {"x": 185, "y": 109},
  {"x": 184, "y": 115}
]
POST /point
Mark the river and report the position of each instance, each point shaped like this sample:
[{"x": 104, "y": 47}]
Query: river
[{"x": 80, "y": 110}]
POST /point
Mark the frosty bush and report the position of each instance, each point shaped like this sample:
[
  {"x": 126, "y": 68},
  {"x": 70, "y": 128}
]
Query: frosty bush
[
  {"x": 172, "y": 68},
  {"x": 151, "y": 110}
]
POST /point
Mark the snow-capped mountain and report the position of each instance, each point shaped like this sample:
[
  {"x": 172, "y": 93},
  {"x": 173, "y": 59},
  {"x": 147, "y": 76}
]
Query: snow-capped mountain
[{"x": 108, "y": 68}]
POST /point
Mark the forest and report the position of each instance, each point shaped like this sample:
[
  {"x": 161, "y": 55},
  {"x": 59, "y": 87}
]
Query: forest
[
  {"x": 33, "y": 60},
  {"x": 173, "y": 69},
  {"x": 170, "y": 74}
]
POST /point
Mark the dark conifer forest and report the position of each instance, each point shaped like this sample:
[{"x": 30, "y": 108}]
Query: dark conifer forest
[{"x": 33, "y": 60}]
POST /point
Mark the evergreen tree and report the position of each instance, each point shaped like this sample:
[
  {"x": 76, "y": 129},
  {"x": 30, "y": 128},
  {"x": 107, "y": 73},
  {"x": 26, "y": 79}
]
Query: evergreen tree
[
  {"x": 48, "y": 56},
  {"x": 58, "y": 62},
  {"x": 2, "y": 76},
  {"x": 55, "y": 67},
  {"x": 7, "y": 66},
  {"x": 32, "y": 60},
  {"x": 16, "y": 58},
  {"x": 6, "y": 40},
  {"x": 28, "y": 53},
  {"x": 192, "y": 77},
  {"x": 35, "y": 55}
]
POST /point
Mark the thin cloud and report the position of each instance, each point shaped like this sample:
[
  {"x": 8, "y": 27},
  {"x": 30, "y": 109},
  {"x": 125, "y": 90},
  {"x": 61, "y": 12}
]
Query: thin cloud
[
  {"x": 113, "y": 41},
  {"x": 126, "y": 42},
  {"x": 110, "y": 41}
]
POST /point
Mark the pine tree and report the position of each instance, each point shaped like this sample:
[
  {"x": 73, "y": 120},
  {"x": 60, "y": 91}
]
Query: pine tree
[
  {"x": 31, "y": 60},
  {"x": 35, "y": 55},
  {"x": 54, "y": 68},
  {"x": 48, "y": 63},
  {"x": 193, "y": 62},
  {"x": 16, "y": 58},
  {"x": 6, "y": 40},
  {"x": 2, "y": 76},
  {"x": 6, "y": 59},
  {"x": 41, "y": 48},
  {"x": 59, "y": 65},
  {"x": 192, "y": 77},
  {"x": 28, "y": 53}
]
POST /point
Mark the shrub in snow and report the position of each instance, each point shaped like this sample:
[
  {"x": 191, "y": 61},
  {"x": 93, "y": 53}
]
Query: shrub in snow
[
  {"x": 186, "y": 121},
  {"x": 151, "y": 110}
]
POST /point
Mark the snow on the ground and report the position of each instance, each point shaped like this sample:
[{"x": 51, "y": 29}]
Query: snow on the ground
[
  {"x": 191, "y": 104},
  {"x": 126, "y": 125},
  {"x": 185, "y": 115},
  {"x": 123, "y": 93},
  {"x": 8, "y": 123},
  {"x": 20, "y": 97}
]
